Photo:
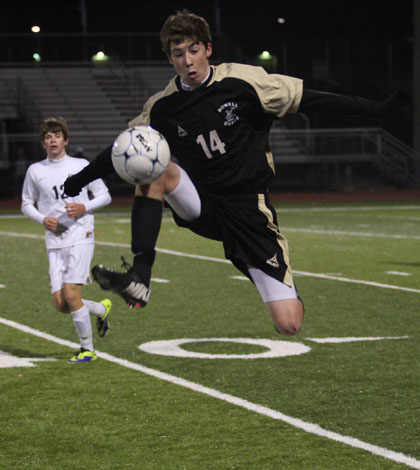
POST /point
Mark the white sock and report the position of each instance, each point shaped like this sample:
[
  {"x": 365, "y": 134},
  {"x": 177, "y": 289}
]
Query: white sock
[
  {"x": 81, "y": 320},
  {"x": 95, "y": 308},
  {"x": 184, "y": 199}
]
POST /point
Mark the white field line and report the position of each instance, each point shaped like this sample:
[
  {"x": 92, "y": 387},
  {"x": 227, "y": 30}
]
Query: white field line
[
  {"x": 351, "y": 234},
  {"x": 399, "y": 273},
  {"x": 259, "y": 409},
  {"x": 22, "y": 235},
  {"x": 356, "y": 281},
  {"x": 352, "y": 339},
  {"x": 225, "y": 261},
  {"x": 279, "y": 210},
  {"x": 12, "y": 216},
  {"x": 342, "y": 279},
  {"x": 347, "y": 209}
]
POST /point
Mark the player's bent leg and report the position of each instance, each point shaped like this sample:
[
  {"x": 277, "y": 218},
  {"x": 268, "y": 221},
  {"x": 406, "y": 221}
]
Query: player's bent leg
[
  {"x": 72, "y": 294},
  {"x": 166, "y": 183},
  {"x": 102, "y": 322},
  {"x": 282, "y": 302},
  {"x": 287, "y": 315},
  {"x": 176, "y": 187}
]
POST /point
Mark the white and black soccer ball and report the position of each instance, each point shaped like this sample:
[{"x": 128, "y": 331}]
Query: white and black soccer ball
[{"x": 140, "y": 155}]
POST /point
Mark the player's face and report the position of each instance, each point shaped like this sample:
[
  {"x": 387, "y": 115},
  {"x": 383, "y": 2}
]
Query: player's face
[
  {"x": 55, "y": 144},
  {"x": 191, "y": 61}
]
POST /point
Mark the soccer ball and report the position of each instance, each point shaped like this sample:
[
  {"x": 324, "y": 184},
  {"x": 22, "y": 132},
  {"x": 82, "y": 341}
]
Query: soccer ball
[{"x": 140, "y": 155}]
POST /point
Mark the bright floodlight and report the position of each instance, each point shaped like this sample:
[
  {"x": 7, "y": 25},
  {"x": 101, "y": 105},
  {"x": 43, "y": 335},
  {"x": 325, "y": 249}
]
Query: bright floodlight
[
  {"x": 265, "y": 55},
  {"x": 100, "y": 57}
]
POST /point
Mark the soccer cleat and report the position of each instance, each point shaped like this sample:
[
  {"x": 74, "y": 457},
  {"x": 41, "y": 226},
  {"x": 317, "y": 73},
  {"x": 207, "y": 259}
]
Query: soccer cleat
[
  {"x": 102, "y": 324},
  {"x": 83, "y": 356},
  {"x": 126, "y": 284}
]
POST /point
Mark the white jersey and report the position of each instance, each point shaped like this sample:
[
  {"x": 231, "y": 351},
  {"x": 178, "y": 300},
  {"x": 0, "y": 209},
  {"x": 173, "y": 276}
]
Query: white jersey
[{"x": 43, "y": 196}]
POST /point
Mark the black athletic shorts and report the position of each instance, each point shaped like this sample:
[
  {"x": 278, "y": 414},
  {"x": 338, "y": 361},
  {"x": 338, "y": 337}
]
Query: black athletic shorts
[{"x": 247, "y": 226}]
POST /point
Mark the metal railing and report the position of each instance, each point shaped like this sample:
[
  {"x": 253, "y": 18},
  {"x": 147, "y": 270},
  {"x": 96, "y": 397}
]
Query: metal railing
[{"x": 396, "y": 161}]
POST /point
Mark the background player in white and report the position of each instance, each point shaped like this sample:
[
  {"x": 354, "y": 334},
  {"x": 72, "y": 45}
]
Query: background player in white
[{"x": 69, "y": 225}]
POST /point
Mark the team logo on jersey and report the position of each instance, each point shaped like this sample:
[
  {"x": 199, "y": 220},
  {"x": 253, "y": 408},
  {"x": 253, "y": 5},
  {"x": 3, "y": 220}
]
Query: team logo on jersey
[
  {"x": 273, "y": 261},
  {"x": 182, "y": 132},
  {"x": 227, "y": 110}
]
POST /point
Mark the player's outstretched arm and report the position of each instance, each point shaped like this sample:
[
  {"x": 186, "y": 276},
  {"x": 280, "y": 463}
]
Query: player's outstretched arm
[
  {"x": 100, "y": 167},
  {"x": 334, "y": 103}
]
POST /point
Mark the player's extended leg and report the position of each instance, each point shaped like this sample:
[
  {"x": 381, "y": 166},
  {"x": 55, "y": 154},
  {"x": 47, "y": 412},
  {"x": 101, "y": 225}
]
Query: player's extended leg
[
  {"x": 178, "y": 190},
  {"x": 282, "y": 302}
]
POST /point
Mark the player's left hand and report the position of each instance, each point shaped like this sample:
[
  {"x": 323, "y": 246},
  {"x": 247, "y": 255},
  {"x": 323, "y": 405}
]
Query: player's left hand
[{"x": 75, "y": 210}]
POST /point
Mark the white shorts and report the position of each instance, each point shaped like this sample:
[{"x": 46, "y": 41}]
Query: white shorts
[{"x": 70, "y": 265}]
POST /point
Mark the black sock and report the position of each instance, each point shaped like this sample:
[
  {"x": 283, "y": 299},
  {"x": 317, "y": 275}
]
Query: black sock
[{"x": 146, "y": 218}]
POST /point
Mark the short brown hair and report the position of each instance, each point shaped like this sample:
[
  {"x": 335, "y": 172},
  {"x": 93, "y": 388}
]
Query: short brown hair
[
  {"x": 54, "y": 124},
  {"x": 182, "y": 25}
]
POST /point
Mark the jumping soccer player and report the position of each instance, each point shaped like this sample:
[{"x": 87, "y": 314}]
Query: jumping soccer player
[{"x": 216, "y": 120}]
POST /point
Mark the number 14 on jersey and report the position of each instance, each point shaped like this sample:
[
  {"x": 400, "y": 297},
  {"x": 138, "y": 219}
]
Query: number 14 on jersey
[{"x": 216, "y": 144}]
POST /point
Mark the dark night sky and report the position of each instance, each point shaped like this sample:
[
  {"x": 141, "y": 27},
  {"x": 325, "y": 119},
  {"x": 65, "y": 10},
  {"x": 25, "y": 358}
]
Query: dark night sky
[
  {"x": 250, "y": 23},
  {"x": 368, "y": 43}
]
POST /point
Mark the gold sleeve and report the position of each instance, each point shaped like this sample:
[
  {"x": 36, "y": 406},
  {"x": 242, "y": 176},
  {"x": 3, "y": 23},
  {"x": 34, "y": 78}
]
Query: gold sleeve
[
  {"x": 143, "y": 119},
  {"x": 278, "y": 94}
]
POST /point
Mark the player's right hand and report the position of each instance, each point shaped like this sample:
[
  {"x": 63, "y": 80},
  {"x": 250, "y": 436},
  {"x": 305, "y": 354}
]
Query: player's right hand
[
  {"x": 72, "y": 186},
  {"x": 50, "y": 223}
]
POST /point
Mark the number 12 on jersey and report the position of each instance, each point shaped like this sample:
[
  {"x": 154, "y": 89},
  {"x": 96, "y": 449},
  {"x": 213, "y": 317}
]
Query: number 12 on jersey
[{"x": 216, "y": 144}]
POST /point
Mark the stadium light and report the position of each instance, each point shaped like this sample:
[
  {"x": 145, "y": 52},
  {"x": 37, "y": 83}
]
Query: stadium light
[
  {"x": 265, "y": 55},
  {"x": 35, "y": 29},
  {"x": 100, "y": 56}
]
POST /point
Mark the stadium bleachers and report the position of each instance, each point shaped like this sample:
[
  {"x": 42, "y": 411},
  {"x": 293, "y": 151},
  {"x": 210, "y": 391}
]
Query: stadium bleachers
[{"x": 96, "y": 102}]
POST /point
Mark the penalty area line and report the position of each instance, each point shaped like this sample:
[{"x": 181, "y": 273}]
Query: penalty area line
[{"x": 240, "y": 402}]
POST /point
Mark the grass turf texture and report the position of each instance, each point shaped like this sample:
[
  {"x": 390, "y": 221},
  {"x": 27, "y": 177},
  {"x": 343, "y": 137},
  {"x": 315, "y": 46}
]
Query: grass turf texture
[{"x": 103, "y": 416}]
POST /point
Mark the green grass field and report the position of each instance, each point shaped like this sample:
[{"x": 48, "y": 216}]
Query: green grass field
[{"x": 348, "y": 400}]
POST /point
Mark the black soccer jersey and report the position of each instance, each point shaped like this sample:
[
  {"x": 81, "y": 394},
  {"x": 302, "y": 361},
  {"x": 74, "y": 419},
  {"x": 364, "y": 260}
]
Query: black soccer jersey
[{"x": 219, "y": 131}]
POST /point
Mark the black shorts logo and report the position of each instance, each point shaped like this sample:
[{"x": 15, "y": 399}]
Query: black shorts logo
[{"x": 273, "y": 261}]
